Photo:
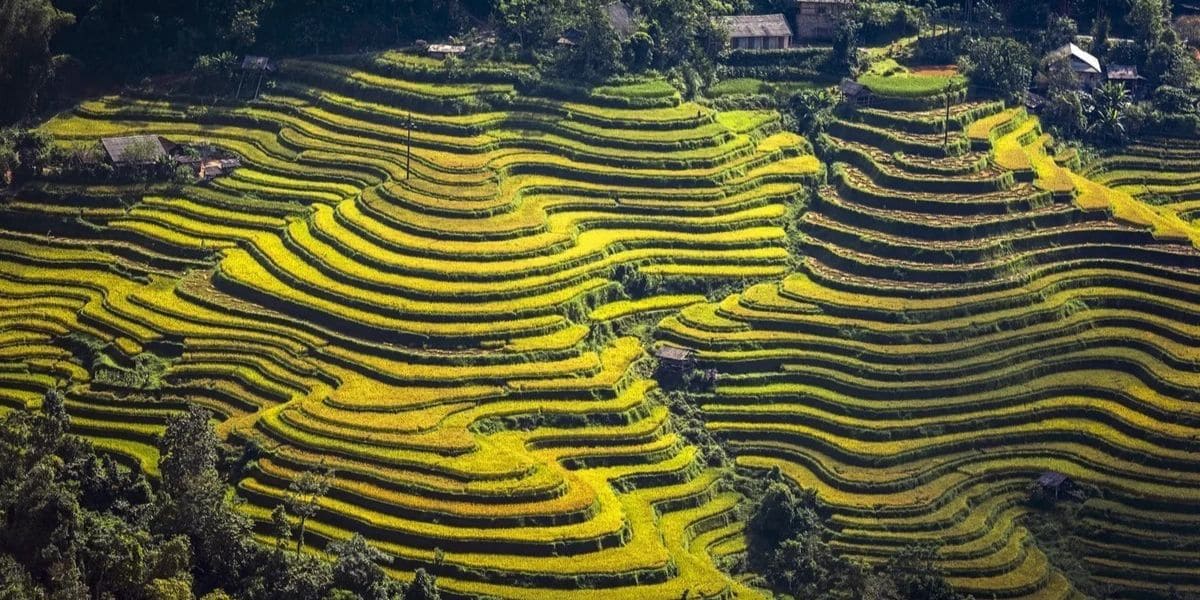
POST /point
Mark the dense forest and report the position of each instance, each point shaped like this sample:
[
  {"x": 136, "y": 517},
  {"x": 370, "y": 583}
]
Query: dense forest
[{"x": 52, "y": 52}]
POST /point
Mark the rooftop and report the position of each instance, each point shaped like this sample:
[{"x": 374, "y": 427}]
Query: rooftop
[
  {"x": 1052, "y": 479},
  {"x": 144, "y": 148},
  {"x": 1123, "y": 72},
  {"x": 1085, "y": 62},
  {"x": 741, "y": 26},
  {"x": 673, "y": 353},
  {"x": 850, "y": 87},
  {"x": 256, "y": 63},
  {"x": 446, "y": 49}
]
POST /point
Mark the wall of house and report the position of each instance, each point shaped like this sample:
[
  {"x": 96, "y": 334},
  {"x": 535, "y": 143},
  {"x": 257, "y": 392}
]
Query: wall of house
[{"x": 761, "y": 42}]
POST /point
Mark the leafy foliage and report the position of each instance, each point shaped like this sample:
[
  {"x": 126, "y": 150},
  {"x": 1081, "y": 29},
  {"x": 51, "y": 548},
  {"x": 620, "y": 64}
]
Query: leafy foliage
[
  {"x": 1001, "y": 64},
  {"x": 26, "y": 61},
  {"x": 789, "y": 547},
  {"x": 74, "y": 524}
]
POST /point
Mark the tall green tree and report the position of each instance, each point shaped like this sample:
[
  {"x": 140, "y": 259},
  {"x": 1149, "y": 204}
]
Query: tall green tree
[
  {"x": 356, "y": 569},
  {"x": 304, "y": 498},
  {"x": 423, "y": 587},
  {"x": 1000, "y": 64},
  {"x": 194, "y": 502},
  {"x": 534, "y": 24},
  {"x": 26, "y": 62}
]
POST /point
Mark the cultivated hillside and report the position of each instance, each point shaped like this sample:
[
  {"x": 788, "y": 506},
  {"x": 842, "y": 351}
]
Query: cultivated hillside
[
  {"x": 965, "y": 319},
  {"x": 949, "y": 317},
  {"x": 426, "y": 334}
]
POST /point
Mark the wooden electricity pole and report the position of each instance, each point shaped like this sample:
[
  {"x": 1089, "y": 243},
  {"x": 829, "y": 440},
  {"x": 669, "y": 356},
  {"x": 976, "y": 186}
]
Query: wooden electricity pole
[{"x": 946, "y": 124}]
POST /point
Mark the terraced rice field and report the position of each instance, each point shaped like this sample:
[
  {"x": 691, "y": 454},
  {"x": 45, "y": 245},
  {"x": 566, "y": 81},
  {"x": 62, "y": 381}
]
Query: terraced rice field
[
  {"x": 967, "y": 316},
  {"x": 431, "y": 335},
  {"x": 1160, "y": 171},
  {"x": 964, "y": 317}
]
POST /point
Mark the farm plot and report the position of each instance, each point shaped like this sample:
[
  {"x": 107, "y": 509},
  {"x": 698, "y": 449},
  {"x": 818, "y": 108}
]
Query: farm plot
[
  {"x": 1161, "y": 172},
  {"x": 427, "y": 331},
  {"x": 967, "y": 316}
]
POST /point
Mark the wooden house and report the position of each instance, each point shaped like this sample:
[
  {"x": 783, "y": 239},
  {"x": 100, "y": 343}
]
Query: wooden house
[
  {"x": 620, "y": 17},
  {"x": 758, "y": 32},
  {"x": 1126, "y": 75},
  {"x": 1083, "y": 63},
  {"x": 1052, "y": 486},
  {"x": 674, "y": 359},
  {"x": 136, "y": 149},
  {"x": 854, "y": 93},
  {"x": 444, "y": 50}
]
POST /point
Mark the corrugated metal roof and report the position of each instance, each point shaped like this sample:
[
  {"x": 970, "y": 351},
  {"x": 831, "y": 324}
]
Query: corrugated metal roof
[
  {"x": 850, "y": 87},
  {"x": 256, "y": 63},
  {"x": 446, "y": 49},
  {"x": 149, "y": 148},
  {"x": 743, "y": 26},
  {"x": 1083, "y": 61},
  {"x": 673, "y": 353},
  {"x": 1052, "y": 479},
  {"x": 1123, "y": 72}
]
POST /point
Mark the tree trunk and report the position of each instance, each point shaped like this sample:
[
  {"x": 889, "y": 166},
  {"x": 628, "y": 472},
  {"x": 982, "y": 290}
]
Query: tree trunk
[{"x": 300, "y": 536}]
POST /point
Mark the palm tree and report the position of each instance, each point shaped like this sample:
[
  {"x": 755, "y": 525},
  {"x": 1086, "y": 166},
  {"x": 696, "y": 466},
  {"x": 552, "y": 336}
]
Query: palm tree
[
  {"x": 1110, "y": 95},
  {"x": 1108, "y": 125}
]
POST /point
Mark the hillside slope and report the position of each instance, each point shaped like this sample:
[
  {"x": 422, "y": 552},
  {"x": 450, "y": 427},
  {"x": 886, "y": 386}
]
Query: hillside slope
[
  {"x": 967, "y": 317},
  {"x": 425, "y": 334}
]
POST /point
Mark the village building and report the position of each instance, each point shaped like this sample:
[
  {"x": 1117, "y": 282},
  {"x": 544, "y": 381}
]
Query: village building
[
  {"x": 1053, "y": 486},
  {"x": 1126, "y": 75},
  {"x": 215, "y": 167},
  {"x": 254, "y": 64},
  {"x": 257, "y": 63},
  {"x": 444, "y": 50},
  {"x": 854, "y": 93},
  {"x": 206, "y": 161},
  {"x": 675, "y": 360},
  {"x": 758, "y": 32},
  {"x": 1083, "y": 63},
  {"x": 136, "y": 149},
  {"x": 818, "y": 19}
]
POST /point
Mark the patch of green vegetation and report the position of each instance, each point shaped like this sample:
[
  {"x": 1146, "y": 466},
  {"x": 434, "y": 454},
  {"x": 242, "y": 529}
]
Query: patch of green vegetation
[
  {"x": 650, "y": 88},
  {"x": 742, "y": 86},
  {"x": 911, "y": 86}
]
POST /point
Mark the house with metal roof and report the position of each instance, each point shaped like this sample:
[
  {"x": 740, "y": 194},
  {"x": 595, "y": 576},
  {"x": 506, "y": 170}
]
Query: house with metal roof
[
  {"x": 1126, "y": 75},
  {"x": 257, "y": 63},
  {"x": 136, "y": 149},
  {"x": 757, "y": 32},
  {"x": 674, "y": 358},
  {"x": 854, "y": 93},
  {"x": 1116, "y": 72},
  {"x": 444, "y": 50},
  {"x": 1054, "y": 486},
  {"x": 1083, "y": 63},
  {"x": 620, "y": 17}
]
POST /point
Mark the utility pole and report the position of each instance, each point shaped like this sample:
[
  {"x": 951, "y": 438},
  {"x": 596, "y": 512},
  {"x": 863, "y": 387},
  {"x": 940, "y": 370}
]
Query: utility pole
[
  {"x": 946, "y": 123},
  {"x": 408, "y": 152}
]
